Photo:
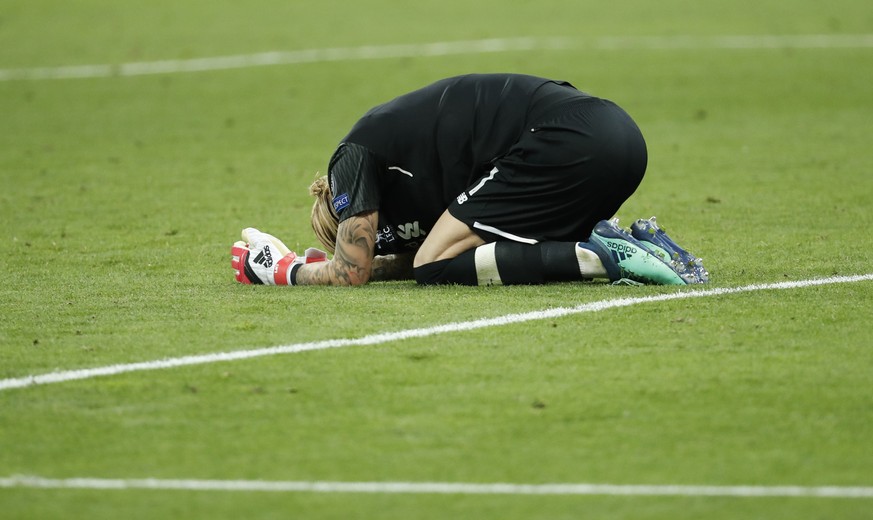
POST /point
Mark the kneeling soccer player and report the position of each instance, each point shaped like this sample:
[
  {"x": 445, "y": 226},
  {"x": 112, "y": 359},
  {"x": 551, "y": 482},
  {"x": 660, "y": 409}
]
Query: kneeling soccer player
[{"x": 478, "y": 180}]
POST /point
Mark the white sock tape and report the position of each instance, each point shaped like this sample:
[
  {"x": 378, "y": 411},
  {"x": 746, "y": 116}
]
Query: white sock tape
[{"x": 486, "y": 265}]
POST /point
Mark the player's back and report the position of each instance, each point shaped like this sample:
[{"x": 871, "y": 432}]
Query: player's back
[{"x": 453, "y": 128}]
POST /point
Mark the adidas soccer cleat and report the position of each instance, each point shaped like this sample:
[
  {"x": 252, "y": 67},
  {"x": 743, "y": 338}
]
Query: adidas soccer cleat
[
  {"x": 627, "y": 260},
  {"x": 689, "y": 267}
]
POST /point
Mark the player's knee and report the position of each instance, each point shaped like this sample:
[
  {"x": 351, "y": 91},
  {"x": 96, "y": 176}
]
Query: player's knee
[
  {"x": 431, "y": 273},
  {"x": 459, "y": 270}
]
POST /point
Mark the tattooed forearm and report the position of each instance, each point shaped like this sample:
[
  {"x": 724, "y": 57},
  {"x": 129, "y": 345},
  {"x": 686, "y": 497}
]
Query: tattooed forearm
[
  {"x": 393, "y": 267},
  {"x": 352, "y": 262},
  {"x": 354, "y": 251}
]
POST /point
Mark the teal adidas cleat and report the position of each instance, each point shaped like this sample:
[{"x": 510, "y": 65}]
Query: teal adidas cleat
[
  {"x": 689, "y": 267},
  {"x": 627, "y": 260}
]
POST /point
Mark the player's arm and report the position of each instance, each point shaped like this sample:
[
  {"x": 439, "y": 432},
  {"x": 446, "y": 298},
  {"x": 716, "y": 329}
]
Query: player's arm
[{"x": 352, "y": 263}]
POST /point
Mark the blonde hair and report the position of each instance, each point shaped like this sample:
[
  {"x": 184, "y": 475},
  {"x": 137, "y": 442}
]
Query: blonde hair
[{"x": 324, "y": 218}]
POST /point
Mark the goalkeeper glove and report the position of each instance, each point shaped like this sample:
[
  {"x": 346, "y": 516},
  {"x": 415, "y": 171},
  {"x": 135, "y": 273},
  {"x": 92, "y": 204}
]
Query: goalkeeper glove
[{"x": 262, "y": 259}]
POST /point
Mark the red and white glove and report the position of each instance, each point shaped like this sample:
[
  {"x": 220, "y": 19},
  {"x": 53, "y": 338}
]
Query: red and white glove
[{"x": 262, "y": 259}]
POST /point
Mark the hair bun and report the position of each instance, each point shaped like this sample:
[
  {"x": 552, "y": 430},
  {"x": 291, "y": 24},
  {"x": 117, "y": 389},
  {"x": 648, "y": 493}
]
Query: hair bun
[{"x": 320, "y": 187}]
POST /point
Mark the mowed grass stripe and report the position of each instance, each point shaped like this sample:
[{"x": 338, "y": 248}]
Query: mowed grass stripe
[
  {"x": 449, "y": 48},
  {"x": 385, "y": 337}
]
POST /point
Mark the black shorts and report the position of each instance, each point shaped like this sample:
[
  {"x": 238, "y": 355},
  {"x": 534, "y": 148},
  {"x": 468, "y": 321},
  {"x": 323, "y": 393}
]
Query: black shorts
[{"x": 574, "y": 166}]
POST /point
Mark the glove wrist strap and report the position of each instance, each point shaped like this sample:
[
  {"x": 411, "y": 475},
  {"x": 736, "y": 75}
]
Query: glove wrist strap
[{"x": 285, "y": 271}]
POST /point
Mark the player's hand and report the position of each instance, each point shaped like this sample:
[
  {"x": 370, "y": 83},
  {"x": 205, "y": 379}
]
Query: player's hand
[{"x": 261, "y": 258}]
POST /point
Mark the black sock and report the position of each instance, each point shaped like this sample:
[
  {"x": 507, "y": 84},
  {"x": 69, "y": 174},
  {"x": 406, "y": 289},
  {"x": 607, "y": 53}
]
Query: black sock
[
  {"x": 506, "y": 263},
  {"x": 460, "y": 270}
]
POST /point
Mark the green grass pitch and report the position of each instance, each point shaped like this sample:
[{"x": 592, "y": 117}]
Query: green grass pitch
[{"x": 120, "y": 197}]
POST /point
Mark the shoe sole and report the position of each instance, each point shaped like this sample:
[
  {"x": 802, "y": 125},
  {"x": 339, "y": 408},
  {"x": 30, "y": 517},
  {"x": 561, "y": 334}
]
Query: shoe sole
[{"x": 686, "y": 264}]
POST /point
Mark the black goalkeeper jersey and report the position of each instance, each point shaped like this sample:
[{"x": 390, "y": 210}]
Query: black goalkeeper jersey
[{"x": 410, "y": 157}]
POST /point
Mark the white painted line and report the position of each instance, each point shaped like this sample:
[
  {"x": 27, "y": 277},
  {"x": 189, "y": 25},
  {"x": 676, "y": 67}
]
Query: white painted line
[
  {"x": 19, "y": 481},
  {"x": 371, "y": 52},
  {"x": 747, "y": 42},
  {"x": 385, "y": 337},
  {"x": 366, "y": 52}
]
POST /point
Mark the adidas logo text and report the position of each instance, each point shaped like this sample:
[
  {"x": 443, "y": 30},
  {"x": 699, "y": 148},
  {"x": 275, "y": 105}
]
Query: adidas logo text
[
  {"x": 622, "y": 248},
  {"x": 265, "y": 258},
  {"x": 621, "y": 252}
]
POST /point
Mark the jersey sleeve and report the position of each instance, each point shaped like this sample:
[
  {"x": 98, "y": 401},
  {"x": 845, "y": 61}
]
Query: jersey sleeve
[{"x": 353, "y": 174}]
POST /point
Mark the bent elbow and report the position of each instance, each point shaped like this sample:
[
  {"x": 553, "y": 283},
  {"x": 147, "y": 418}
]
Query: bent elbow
[
  {"x": 355, "y": 277},
  {"x": 354, "y": 282}
]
